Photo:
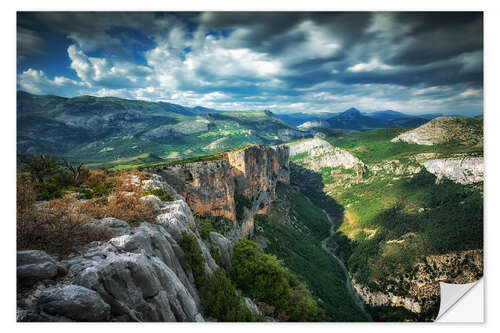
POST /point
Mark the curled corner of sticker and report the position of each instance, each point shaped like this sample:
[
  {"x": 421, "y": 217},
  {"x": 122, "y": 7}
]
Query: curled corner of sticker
[{"x": 451, "y": 295}]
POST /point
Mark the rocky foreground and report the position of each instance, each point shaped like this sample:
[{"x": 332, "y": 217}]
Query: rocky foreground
[{"x": 138, "y": 275}]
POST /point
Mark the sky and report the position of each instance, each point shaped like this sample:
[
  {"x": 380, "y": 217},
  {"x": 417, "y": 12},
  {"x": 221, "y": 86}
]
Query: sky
[{"x": 413, "y": 62}]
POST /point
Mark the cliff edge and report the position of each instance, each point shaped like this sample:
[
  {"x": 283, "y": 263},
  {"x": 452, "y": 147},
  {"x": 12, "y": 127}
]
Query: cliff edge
[{"x": 236, "y": 187}]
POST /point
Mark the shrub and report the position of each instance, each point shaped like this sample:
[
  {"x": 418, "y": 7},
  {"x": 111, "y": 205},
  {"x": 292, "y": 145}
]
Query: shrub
[
  {"x": 57, "y": 228},
  {"x": 129, "y": 206},
  {"x": 193, "y": 256},
  {"x": 219, "y": 298},
  {"x": 160, "y": 193},
  {"x": 204, "y": 227},
  {"x": 39, "y": 168}
]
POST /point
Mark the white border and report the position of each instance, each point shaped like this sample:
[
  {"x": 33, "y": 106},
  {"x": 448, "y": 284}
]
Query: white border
[{"x": 7, "y": 132}]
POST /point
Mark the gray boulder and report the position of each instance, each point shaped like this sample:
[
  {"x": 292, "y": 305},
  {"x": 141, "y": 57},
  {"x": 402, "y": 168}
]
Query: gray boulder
[
  {"x": 73, "y": 302},
  {"x": 34, "y": 266}
]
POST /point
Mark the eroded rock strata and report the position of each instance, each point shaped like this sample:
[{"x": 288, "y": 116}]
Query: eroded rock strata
[{"x": 216, "y": 188}]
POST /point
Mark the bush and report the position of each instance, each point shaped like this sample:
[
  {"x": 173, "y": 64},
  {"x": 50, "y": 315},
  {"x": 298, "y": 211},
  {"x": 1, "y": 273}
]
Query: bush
[
  {"x": 57, "y": 228},
  {"x": 39, "y": 168},
  {"x": 193, "y": 256},
  {"x": 219, "y": 298},
  {"x": 204, "y": 227},
  {"x": 160, "y": 193},
  {"x": 128, "y": 206}
]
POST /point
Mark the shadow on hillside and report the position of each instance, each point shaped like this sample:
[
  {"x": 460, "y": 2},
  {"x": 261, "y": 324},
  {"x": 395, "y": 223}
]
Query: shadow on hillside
[{"x": 311, "y": 184}]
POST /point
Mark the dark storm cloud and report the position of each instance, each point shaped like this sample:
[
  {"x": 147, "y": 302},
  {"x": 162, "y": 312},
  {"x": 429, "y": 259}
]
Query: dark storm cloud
[
  {"x": 250, "y": 59},
  {"x": 29, "y": 42},
  {"x": 438, "y": 36}
]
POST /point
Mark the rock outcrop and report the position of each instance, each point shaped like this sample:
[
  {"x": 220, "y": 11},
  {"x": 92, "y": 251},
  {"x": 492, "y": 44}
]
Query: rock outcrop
[
  {"x": 421, "y": 291},
  {"x": 463, "y": 170},
  {"x": 464, "y": 131},
  {"x": 138, "y": 275},
  {"x": 310, "y": 125},
  {"x": 212, "y": 188},
  {"x": 319, "y": 154}
]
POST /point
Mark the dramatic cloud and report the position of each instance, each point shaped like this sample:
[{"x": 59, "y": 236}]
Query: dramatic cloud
[
  {"x": 29, "y": 43},
  {"x": 288, "y": 62}
]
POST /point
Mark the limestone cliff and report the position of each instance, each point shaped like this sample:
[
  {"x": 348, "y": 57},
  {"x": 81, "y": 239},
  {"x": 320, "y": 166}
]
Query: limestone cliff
[
  {"x": 463, "y": 170},
  {"x": 221, "y": 188},
  {"x": 316, "y": 153},
  {"x": 138, "y": 275}
]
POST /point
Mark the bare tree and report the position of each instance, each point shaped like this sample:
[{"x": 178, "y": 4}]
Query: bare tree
[{"x": 75, "y": 171}]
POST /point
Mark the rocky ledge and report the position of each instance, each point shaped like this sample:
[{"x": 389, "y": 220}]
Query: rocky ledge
[{"x": 138, "y": 275}]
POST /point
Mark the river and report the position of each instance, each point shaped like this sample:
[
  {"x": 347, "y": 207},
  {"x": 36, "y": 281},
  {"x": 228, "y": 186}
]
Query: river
[{"x": 357, "y": 300}]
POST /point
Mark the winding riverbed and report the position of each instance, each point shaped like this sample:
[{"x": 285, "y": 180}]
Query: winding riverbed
[{"x": 350, "y": 288}]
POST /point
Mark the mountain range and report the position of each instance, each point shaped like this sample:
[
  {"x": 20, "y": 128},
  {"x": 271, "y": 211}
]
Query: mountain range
[
  {"x": 100, "y": 130},
  {"x": 104, "y": 129},
  {"x": 355, "y": 119}
]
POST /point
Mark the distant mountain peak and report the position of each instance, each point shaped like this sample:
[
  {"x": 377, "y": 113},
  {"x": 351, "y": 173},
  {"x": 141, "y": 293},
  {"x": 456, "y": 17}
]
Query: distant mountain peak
[{"x": 352, "y": 111}]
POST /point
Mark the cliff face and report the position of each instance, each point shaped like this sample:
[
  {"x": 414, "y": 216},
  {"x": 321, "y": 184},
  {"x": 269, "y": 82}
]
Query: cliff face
[
  {"x": 317, "y": 153},
  {"x": 138, "y": 275},
  {"x": 465, "y": 170},
  {"x": 244, "y": 181}
]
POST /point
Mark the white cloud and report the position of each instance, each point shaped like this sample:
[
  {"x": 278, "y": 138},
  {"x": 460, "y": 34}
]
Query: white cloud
[
  {"x": 37, "y": 82},
  {"x": 96, "y": 72},
  {"x": 373, "y": 65},
  {"x": 471, "y": 92}
]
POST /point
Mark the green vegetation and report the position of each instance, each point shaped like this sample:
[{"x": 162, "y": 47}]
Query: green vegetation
[
  {"x": 219, "y": 298},
  {"x": 298, "y": 244},
  {"x": 451, "y": 221},
  {"x": 160, "y": 193},
  {"x": 52, "y": 179},
  {"x": 205, "y": 227},
  {"x": 304, "y": 256},
  {"x": 264, "y": 278},
  {"x": 299, "y": 156},
  {"x": 241, "y": 202},
  {"x": 312, "y": 220},
  {"x": 376, "y": 146},
  {"x": 118, "y": 133}
]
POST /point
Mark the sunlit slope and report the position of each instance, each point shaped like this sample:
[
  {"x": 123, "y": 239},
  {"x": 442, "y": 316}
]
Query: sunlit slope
[{"x": 107, "y": 129}]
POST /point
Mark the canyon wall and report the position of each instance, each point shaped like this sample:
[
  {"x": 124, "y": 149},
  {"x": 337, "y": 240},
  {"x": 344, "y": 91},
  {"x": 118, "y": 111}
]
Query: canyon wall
[{"x": 236, "y": 187}]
